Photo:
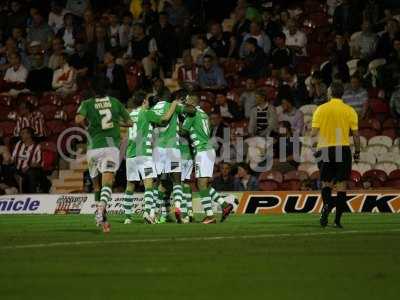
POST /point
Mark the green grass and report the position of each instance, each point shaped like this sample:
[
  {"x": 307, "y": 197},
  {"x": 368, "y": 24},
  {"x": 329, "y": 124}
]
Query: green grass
[{"x": 256, "y": 257}]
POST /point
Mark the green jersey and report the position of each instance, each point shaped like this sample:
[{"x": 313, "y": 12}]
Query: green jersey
[
  {"x": 199, "y": 130},
  {"x": 104, "y": 116},
  {"x": 140, "y": 135},
  {"x": 184, "y": 147},
  {"x": 167, "y": 136}
]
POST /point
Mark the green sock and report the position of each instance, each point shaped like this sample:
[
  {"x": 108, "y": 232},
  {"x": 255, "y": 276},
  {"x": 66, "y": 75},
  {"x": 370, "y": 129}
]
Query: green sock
[
  {"x": 97, "y": 196},
  {"x": 216, "y": 197},
  {"x": 105, "y": 195},
  {"x": 177, "y": 195},
  {"x": 161, "y": 203},
  {"x": 128, "y": 204},
  {"x": 206, "y": 202},
  {"x": 148, "y": 200}
]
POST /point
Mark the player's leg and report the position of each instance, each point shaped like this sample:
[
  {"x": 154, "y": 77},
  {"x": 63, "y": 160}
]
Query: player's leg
[
  {"x": 205, "y": 199},
  {"x": 327, "y": 172},
  {"x": 149, "y": 215},
  {"x": 107, "y": 179},
  {"x": 148, "y": 173},
  {"x": 187, "y": 203},
  {"x": 343, "y": 172},
  {"x": 173, "y": 168},
  {"x": 128, "y": 201},
  {"x": 226, "y": 207}
]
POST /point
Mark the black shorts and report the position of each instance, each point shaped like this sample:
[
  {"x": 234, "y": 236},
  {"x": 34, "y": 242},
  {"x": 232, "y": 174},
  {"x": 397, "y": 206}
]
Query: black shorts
[{"x": 335, "y": 164}]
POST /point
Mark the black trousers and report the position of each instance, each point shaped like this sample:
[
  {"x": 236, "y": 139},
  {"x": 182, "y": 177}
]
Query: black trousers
[{"x": 34, "y": 180}]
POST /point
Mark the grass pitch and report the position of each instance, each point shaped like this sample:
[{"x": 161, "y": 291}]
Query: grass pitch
[{"x": 248, "y": 257}]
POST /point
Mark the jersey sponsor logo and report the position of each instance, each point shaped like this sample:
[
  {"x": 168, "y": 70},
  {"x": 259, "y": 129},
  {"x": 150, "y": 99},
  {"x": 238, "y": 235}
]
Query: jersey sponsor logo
[
  {"x": 174, "y": 165},
  {"x": 148, "y": 171},
  {"x": 311, "y": 202},
  {"x": 70, "y": 204},
  {"x": 18, "y": 205}
]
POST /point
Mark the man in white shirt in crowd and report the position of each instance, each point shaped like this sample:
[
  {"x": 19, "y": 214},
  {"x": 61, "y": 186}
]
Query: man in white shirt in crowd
[
  {"x": 17, "y": 73},
  {"x": 295, "y": 39},
  {"x": 56, "y": 16}
]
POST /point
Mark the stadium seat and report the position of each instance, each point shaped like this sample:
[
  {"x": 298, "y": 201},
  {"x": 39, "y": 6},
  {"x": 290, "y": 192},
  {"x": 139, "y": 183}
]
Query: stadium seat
[
  {"x": 308, "y": 109},
  {"x": 362, "y": 167},
  {"x": 308, "y": 167},
  {"x": 370, "y": 123},
  {"x": 29, "y": 98},
  {"x": 368, "y": 133},
  {"x": 381, "y": 140},
  {"x": 76, "y": 98},
  {"x": 368, "y": 157},
  {"x": 291, "y": 185},
  {"x": 390, "y": 157},
  {"x": 393, "y": 183},
  {"x": 395, "y": 174},
  {"x": 377, "y": 150},
  {"x": 387, "y": 166},
  {"x": 390, "y": 123},
  {"x": 48, "y": 111},
  {"x": 315, "y": 175},
  {"x": 50, "y": 98},
  {"x": 271, "y": 175},
  {"x": 363, "y": 142},
  {"x": 56, "y": 126},
  {"x": 6, "y": 100},
  {"x": 7, "y": 127},
  {"x": 70, "y": 109},
  {"x": 49, "y": 156},
  {"x": 378, "y": 108},
  {"x": 268, "y": 185},
  {"x": 375, "y": 177},
  {"x": 389, "y": 132},
  {"x": 300, "y": 175},
  {"x": 4, "y": 112},
  {"x": 355, "y": 181}
]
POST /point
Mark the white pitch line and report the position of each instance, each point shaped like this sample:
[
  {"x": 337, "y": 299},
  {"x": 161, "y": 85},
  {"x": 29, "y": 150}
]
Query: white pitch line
[{"x": 190, "y": 239}]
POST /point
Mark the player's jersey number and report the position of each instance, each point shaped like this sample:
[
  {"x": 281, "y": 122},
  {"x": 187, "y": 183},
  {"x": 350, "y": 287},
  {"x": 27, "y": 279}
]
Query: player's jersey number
[{"x": 106, "y": 119}]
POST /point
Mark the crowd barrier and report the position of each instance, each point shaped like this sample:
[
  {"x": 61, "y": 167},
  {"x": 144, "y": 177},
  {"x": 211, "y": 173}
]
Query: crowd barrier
[{"x": 248, "y": 203}]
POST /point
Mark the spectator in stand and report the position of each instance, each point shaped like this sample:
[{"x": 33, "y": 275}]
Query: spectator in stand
[
  {"x": 395, "y": 103},
  {"x": 69, "y": 33},
  {"x": 385, "y": 43},
  {"x": 141, "y": 43},
  {"x": 271, "y": 27},
  {"x": 220, "y": 41},
  {"x": 241, "y": 26},
  {"x": 57, "y": 56},
  {"x": 254, "y": 61},
  {"x": 40, "y": 76},
  {"x": 225, "y": 181},
  {"x": 152, "y": 65},
  {"x": 202, "y": 50},
  {"x": 211, "y": 76},
  {"x": 27, "y": 158},
  {"x": 263, "y": 118},
  {"x": 244, "y": 181},
  {"x": 335, "y": 67},
  {"x": 363, "y": 73},
  {"x": 16, "y": 17},
  {"x": 356, "y": 96},
  {"x": 56, "y": 16},
  {"x": 125, "y": 30},
  {"x": 117, "y": 78},
  {"x": 89, "y": 25},
  {"x": 27, "y": 116},
  {"x": 159, "y": 89},
  {"x": 100, "y": 45},
  {"x": 295, "y": 39},
  {"x": 248, "y": 97},
  {"x": 8, "y": 184},
  {"x": 318, "y": 91},
  {"x": 281, "y": 56},
  {"x": 219, "y": 130},
  {"x": 113, "y": 30},
  {"x": 40, "y": 31},
  {"x": 177, "y": 13},
  {"x": 82, "y": 60},
  {"x": 288, "y": 113},
  {"x": 346, "y": 17},
  {"x": 263, "y": 41},
  {"x": 148, "y": 16},
  {"x": 187, "y": 73},
  {"x": 229, "y": 110},
  {"x": 341, "y": 48},
  {"x": 18, "y": 34},
  {"x": 365, "y": 44},
  {"x": 293, "y": 87},
  {"x": 78, "y": 7},
  {"x": 64, "y": 78},
  {"x": 167, "y": 42},
  {"x": 16, "y": 74}
]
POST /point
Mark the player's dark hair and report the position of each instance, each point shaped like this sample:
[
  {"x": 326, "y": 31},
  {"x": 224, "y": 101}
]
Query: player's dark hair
[
  {"x": 337, "y": 89},
  {"x": 100, "y": 85},
  {"x": 30, "y": 130},
  {"x": 153, "y": 100},
  {"x": 137, "y": 99}
]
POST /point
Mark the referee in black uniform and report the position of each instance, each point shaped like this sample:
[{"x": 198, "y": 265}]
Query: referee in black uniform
[{"x": 333, "y": 122}]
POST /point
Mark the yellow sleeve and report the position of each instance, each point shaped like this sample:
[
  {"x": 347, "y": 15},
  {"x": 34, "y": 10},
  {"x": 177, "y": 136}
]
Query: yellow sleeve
[
  {"x": 316, "y": 119},
  {"x": 353, "y": 119}
]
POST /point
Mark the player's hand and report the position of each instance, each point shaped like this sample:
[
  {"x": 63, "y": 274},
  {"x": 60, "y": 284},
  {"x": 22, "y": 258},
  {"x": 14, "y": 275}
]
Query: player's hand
[{"x": 356, "y": 157}]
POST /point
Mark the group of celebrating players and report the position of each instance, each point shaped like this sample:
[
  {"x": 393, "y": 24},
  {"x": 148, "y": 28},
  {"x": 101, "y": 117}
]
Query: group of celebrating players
[{"x": 165, "y": 141}]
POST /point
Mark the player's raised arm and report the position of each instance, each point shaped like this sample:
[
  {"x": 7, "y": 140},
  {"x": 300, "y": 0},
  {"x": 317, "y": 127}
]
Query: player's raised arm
[{"x": 167, "y": 116}]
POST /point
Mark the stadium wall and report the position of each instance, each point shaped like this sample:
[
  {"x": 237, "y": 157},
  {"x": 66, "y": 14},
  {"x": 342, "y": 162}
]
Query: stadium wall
[{"x": 248, "y": 203}]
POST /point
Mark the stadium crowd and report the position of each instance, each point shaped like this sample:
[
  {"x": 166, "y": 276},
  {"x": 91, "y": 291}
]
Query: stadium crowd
[{"x": 260, "y": 68}]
